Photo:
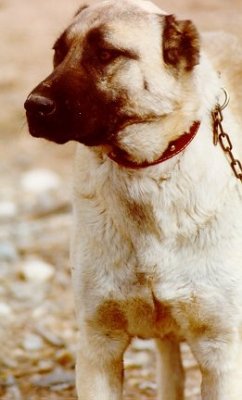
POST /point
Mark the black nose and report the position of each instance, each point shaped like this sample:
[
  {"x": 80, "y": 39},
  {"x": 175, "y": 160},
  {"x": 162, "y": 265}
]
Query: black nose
[{"x": 40, "y": 105}]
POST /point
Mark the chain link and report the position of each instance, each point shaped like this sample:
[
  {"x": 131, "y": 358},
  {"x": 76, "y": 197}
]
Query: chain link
[{"x": 223, "y": 138}]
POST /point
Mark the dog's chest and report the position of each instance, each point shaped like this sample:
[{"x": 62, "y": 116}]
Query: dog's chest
[{"x": 138, "y": 313}]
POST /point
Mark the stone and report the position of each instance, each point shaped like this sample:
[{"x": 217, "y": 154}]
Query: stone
[
  {"x": 5, "y": 311},
  {"x": 35, "y": 270},
  {"x": 40, "y": 180},
  {"x": 58, "y": 377},
  {"x": 49, "y": 336},
  {"x": 139, "y": 344},
  {"x": 8, "y": 210},
  {"x": 8, "y": 252},
  {"x": 45, "y": 366},
  {"x": 136, "y": 360},
  {"x": 32, "y": 342},
  {"x": 65, "y": 357}
]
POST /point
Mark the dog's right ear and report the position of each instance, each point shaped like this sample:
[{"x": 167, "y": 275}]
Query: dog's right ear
[{"x": 181, "y": 44}]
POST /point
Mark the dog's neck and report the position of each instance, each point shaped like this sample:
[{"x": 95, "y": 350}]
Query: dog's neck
[{"x": 174, "y": 148}]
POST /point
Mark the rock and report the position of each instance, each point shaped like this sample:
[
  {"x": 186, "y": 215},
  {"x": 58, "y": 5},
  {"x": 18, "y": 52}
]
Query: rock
[
  {"x": 27, "y": 291},
  {"x": 62, "y": 386},
  {"x": 8, "y": 252},
  {"x": 49, "y": 336},
  {"x": 8, "y": 362},
  {"x": 139, "y": 344},
  {"x": 35, "y": 270},
  {"x": 5, "y": 311},
  {"x": 40, "y": 180},
  {"x": 65, "y": 357},
  {"x": 136, "y": 360},
  {"x": 13, "y": 391},
  {"x": 46, "y": 203},
  {"x": 32, "y": 342},
  {"x": 8, "y": 210},
  {"x": 45, "y": 366},
  {"x": 58, "y": 377},
  {"x": 148, "y": 386}
]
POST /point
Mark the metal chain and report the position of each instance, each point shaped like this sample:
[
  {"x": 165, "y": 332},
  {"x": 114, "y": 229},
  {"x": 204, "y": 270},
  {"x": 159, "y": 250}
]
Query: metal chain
[{"x": 223, "y": 138}]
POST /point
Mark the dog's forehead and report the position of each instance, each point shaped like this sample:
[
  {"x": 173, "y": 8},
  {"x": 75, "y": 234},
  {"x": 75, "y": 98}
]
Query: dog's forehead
[
  {"x": 115, "y": 16},
  {"x": 120, "y": 7}
]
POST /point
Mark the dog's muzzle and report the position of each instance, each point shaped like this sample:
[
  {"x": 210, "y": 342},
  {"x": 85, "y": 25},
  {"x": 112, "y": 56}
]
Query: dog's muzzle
[{"x": 68, "y": 107}]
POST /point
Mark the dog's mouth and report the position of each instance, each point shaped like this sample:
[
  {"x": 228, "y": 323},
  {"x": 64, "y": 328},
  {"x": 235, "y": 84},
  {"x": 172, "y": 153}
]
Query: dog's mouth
[
  {"x": 95, "y": 123},
  {"x": 61, "y": 132},
  {"x": 93, "y": 127},
  {"x": 62, "y": 127}
]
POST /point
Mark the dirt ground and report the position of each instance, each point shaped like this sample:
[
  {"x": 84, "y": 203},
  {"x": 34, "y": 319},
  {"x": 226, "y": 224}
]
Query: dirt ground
[{"x": 37, "y": 323}]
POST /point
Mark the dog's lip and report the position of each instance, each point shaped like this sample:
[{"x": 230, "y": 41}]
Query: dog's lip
[{"x": 42, "y": 133}]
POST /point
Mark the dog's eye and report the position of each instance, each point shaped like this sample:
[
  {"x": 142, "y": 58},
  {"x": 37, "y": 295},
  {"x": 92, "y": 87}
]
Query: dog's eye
[{"x": 105, "y": 55}]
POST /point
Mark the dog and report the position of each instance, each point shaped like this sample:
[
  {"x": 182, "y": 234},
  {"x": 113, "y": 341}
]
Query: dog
[{"x": 157, "y": 208}]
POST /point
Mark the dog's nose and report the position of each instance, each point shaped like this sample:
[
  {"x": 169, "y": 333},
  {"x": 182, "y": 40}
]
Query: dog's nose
[{"x": 40, "y": 105}]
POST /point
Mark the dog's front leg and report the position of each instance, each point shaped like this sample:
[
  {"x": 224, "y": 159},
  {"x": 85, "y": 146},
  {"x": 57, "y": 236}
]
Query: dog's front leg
[
  {"x": 170, "y": 371},
  {"x": 99, "y": 369},
  {"x": 220, "y": 361}
]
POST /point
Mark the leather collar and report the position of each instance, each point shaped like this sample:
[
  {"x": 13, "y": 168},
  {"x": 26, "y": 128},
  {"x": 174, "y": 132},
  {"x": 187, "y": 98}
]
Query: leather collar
[{"x": 175, "y": 147}]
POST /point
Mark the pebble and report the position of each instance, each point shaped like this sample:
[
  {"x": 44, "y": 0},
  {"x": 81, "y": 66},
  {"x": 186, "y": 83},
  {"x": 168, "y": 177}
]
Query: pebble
[
  {"x": 49, "y": 336},
  {"x": 139, "y": 344},
  {"x": 44, "y": 204},
  {"x": 58, "y": 377},
  {"x": 62, "y": 386},
  {"x": 65, "y": 357},
  {"x": 13, "y": 393},
  {"x": 32, "y": 342},
  {"x": 40, "y": 180},
  {"x": 45, "y": 366},
  {"x": 5, "y": 311},
  {"x": 8, "y": 210},
  {"x": 148, "y": 386},
  {"x": 37, "y": 271},
  {"x": 27, "y": 291},
  {"x": 8, "y": 252},
  {"x": 136, "y": 360}
]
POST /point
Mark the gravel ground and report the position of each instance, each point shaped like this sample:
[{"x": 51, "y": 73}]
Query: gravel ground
[{"x": 37, "y": 322}]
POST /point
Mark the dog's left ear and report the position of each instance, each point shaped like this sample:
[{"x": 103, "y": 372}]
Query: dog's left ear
[{"x": 181, "y": 44}]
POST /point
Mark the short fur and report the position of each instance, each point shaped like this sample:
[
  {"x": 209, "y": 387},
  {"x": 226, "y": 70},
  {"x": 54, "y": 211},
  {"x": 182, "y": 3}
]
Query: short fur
[{"x": 156, "y": 252}]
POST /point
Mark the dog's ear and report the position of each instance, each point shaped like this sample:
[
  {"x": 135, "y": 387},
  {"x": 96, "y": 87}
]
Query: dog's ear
[{"x": 181, "y": 44}]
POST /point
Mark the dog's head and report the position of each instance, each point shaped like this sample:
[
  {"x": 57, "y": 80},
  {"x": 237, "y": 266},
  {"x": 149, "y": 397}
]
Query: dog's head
[{"x": 118, "y": 67}]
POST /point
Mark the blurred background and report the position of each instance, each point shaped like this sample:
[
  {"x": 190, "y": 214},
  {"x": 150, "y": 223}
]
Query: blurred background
[{"x": 37, "y": 322}]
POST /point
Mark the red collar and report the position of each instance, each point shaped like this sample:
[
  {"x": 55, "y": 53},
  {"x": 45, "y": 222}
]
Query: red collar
[{"x": 174, "y": 148}]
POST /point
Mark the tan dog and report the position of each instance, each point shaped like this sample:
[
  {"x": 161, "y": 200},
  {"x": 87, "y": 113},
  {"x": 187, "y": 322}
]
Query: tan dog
[{"x": 157, "y": 241}]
